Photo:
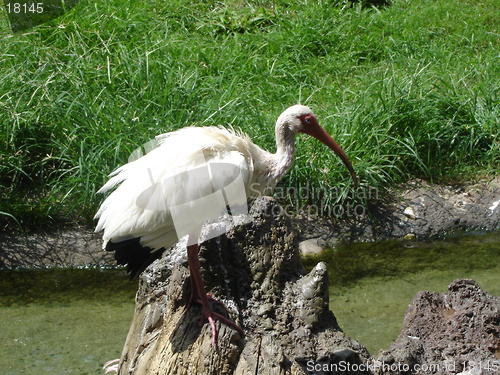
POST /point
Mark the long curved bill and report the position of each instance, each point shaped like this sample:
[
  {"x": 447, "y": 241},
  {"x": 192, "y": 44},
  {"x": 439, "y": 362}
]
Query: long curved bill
[{"x": 316, "y": 131}]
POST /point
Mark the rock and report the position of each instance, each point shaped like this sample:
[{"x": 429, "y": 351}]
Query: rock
[
  {"x": 409, "y": 212},
  {"x": 310, "y": 247},
  {"x": 255, "y": 269},
  {"x": 494, "y": 206},
  {"x": 455, "y": 332}
]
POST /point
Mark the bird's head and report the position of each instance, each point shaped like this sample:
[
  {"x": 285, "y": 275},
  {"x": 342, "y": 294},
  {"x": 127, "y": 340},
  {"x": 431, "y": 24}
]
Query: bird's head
[
  {"x": 300, "y": 119},
  {"x": 295, "y": 118}
]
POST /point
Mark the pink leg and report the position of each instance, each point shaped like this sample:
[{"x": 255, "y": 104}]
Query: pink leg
[
  {"x": 199, "y": 295},
  {"x": 195, "y": 298}
]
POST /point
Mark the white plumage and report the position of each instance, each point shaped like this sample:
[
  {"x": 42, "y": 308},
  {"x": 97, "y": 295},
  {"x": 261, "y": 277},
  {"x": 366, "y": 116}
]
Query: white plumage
[
  {"x": 144, "y": 211},
  {"x": 164, "y": 168}
]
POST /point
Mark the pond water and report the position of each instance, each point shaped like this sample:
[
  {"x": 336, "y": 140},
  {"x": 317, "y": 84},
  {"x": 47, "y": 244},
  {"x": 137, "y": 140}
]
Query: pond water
[
  {"x": 63, "y": 321},
  {"x": 372, "y": 284},
  {"x": 71, "y": 321}
]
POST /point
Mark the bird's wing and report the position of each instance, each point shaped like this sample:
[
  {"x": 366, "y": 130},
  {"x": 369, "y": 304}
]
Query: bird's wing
[{"x": 189, "y": 178}]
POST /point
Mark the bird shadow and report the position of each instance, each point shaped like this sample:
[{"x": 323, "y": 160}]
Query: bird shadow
[{"x": 187, "y": 330}]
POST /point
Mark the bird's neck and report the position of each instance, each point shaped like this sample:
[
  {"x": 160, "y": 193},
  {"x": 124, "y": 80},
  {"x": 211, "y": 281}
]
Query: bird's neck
[{"x": 285, "y": 151}]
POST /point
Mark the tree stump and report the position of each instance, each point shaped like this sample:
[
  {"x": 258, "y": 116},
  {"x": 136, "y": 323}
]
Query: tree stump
[{"x": 255, "y": 269}]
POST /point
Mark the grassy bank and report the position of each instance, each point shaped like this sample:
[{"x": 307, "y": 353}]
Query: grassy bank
[{"x": 408, "y": 90}]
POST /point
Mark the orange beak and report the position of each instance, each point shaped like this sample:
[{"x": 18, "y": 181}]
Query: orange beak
[{"x": 314, "y": 130}]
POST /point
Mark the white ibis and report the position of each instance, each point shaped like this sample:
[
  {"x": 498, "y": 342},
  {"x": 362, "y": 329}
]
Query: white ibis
[{"x": 160, "y": 197}]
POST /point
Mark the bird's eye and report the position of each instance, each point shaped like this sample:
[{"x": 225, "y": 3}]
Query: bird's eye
[{"x": 307, "y": 119}]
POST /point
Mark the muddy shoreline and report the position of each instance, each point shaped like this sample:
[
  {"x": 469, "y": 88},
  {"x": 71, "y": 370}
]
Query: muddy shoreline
[{"x": 416, "y": 210}]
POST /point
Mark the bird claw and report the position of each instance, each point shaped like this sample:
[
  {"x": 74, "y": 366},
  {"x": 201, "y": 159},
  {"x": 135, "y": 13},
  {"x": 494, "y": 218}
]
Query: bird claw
[
  {"x": 194, "y": 299},
  {"x": 111, "y": 366},
  {"x": 212, "y": 316},
  {"x": 216, "y": 301}
]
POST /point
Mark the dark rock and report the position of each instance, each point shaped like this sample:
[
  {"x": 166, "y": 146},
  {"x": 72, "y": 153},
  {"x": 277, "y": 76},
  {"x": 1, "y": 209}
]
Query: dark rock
[
  {"x": 255, "y": 269},
  {"x": 451, "y": 333}
]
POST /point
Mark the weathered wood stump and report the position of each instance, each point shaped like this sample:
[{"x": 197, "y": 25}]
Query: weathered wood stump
[{"x": 255, "y": 269}]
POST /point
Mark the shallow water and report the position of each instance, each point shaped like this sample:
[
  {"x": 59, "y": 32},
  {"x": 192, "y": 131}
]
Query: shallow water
[
  {"x": 372, "y": 284},
  {"x": 63, "y": 321},
  {"x": 71, "y": 321}
]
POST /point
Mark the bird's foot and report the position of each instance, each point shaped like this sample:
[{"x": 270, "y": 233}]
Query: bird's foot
[
  {"x": 208, "y": 314},
  {"x": 216, "y": 301},
  {"x": 196, "y": 299},
  {"x": 111, "y": 366},
  {"x": 212, "y": 316}
]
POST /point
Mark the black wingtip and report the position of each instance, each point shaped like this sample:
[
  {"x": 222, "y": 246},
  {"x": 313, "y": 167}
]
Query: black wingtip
[{"x": 132, "y": 254}]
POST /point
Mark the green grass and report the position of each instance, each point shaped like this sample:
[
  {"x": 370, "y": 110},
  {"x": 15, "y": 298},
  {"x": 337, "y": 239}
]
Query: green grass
[{"x": 408, "y": 90}]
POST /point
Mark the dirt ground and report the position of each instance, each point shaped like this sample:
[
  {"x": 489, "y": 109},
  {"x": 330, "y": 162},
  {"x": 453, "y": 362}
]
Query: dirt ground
[{"x": 414, "y": 210}]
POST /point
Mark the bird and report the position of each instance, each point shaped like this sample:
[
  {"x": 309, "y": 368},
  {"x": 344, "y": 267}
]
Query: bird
[{"x": 191, "y": 175}]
